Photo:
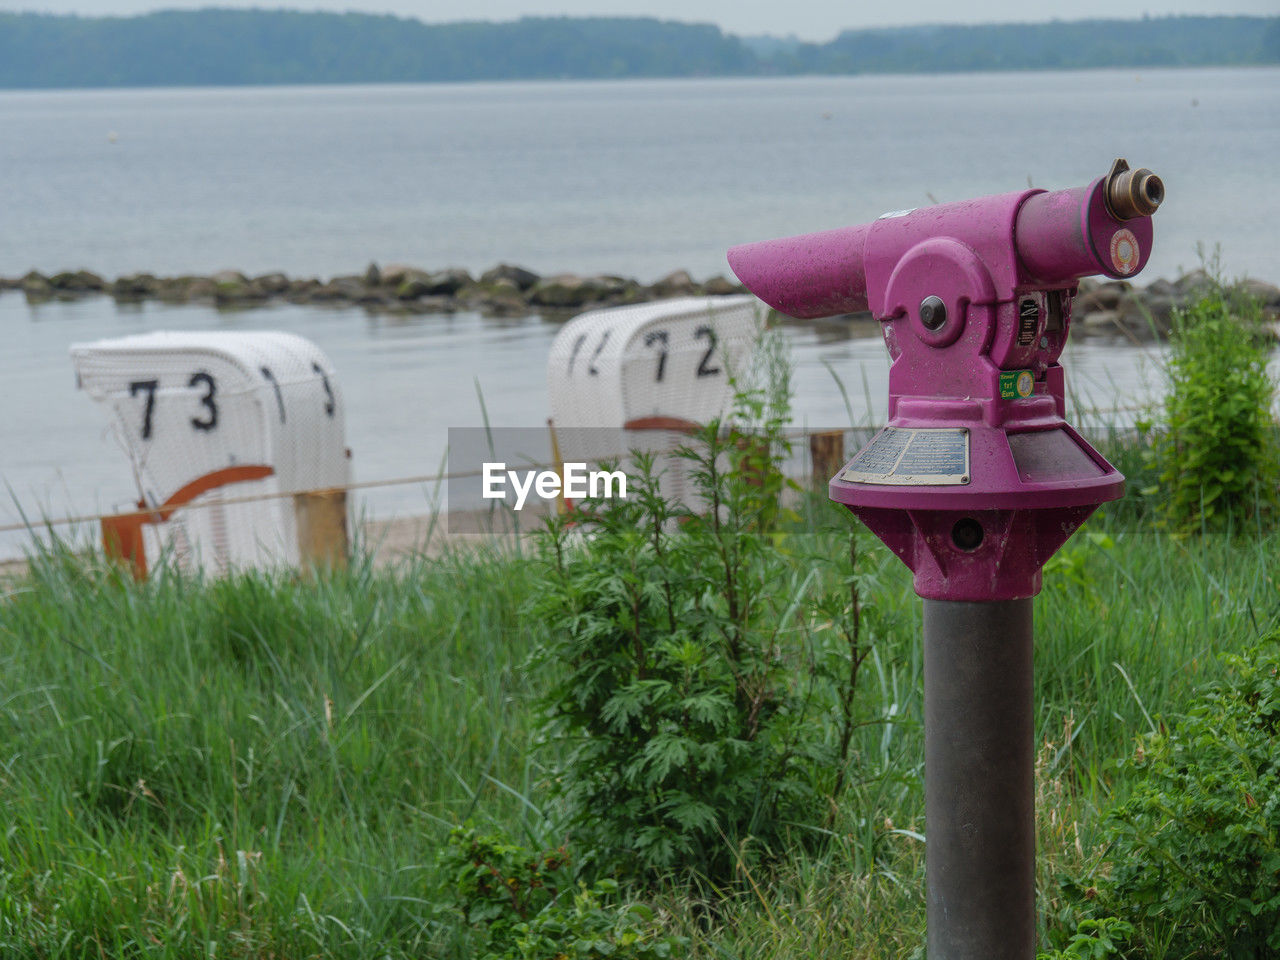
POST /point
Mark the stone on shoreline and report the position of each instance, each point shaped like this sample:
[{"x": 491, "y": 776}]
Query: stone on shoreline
[
  {"x": 232, "y": 288},
  {"x": 393, "y": 274},
  {"x": 134, "y": 286},
  {"x": 79, "y": 281},
  {"x": 1145, "y": 315},
  {"x": 338, "y": 290},
  {"x": 1266, "y": 294},
  {"x": 36, "y": 286},
  {"x": 720, "y": 287},
  {"x": 185, "y": 289},
  {"x": 412, "y": 286},
  {"x": 522, "y": 278},
  {"x": 678, "y": 283},
  {"x": 300, "y": 289},
  {"x": 1189, "y": 284},
  {"x": 1104, "y": 295},
  {"x": 565, "y": 291},
  {"x": 447, "y": 282},
  {"x": 271, "y": 284},
  {"x": 499, "y": 297}
]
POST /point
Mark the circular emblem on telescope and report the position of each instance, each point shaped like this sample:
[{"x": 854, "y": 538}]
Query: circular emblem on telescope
[
  {"x": 1025, "y": 384},
  {"x": 1124, "y": 251}
]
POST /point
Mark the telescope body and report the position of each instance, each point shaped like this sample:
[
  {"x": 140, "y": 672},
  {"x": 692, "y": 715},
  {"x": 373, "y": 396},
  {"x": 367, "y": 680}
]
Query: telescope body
[{"x": 977, "y": 479}]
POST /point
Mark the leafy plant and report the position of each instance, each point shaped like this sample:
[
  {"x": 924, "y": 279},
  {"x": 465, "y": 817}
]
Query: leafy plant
[
  {"x": 701, "y": 690},
  {"x": 1195, "y": 850},
  {"x": 586, "y": 926},
  {"x": 497, "y": 884},
  {"x": 1219, "y": 459},
  {"x": 1094, "y": 939},
  {"x": 524, "y": 905}
]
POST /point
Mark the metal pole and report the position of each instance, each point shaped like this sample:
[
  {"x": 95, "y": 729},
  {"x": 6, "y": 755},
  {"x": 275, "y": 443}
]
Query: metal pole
[{"x": 979, "y": 780}]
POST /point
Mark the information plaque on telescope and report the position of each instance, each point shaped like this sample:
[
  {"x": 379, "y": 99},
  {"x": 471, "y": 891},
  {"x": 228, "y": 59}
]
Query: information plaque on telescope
[{"x": 897, "y": 456}]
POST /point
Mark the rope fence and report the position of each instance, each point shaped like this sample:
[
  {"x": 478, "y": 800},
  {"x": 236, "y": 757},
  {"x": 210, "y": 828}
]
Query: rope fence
[{"x": 431, "y": 478}]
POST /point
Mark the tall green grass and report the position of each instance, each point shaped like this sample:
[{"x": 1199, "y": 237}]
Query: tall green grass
[
  {"x": 253, "y": 766},
  {"x": 265, "y": 766}
]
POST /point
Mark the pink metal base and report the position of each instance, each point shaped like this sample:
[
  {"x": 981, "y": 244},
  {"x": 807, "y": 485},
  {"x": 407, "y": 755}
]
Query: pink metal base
[{"x": 1004, "y": 566}]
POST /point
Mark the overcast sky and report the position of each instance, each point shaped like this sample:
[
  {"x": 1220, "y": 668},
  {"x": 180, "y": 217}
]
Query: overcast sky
[{"x": 808, "y": 19}]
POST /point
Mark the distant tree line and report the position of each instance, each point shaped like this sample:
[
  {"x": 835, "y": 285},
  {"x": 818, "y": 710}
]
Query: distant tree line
[
  {"x": 1149, "y": 42},
  {"x": 220, "y": 46}
]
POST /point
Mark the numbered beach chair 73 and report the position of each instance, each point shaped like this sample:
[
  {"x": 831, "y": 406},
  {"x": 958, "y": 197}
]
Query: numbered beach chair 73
[{"x": 197, "y": 411}]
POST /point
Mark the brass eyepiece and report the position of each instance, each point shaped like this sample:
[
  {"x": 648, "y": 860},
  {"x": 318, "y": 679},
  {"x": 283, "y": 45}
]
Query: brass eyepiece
[{"x": 1129, "y": 194}]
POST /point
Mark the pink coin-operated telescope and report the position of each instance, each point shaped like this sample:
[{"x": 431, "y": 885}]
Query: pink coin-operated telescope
[{"x": 974, "y": 483}]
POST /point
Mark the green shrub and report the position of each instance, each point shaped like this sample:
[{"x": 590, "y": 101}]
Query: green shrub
[
  {"x": 1195, "y": 850},
  {"x": 524, "y": 905},
  {"x": 1094, "y": 939},
  {"x": 701, "y": 672},
  {"x": 1219, "y": 460}
]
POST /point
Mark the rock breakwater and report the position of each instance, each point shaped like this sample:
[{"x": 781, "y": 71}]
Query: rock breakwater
[
  {"x": 504, "y": 290},
  {"x": 1106, "y": 308}
]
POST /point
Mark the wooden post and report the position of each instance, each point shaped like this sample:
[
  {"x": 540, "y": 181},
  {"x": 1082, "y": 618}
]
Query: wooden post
[
  {"x": 122, "y": 541},
  {"x": 562, "y": 504},
  {"x": 826, "y": 456},
  {"x": 322, "y": 528}
]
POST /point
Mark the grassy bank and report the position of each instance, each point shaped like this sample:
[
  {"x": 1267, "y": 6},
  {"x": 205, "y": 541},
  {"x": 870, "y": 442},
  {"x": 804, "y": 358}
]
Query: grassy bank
[
  {"x": 268, "y": 767},
  {"x": 248, "y": 767}
]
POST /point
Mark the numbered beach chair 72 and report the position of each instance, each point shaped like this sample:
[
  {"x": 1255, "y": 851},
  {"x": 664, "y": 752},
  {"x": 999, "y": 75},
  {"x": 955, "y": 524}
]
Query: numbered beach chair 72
[{"x": 641, "y": 378}]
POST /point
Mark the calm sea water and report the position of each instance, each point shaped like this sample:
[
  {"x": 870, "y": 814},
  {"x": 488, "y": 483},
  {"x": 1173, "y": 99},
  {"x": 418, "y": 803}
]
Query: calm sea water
[
  {"x": 632, "y": 177},
  {"x": 637, "y": 178}
]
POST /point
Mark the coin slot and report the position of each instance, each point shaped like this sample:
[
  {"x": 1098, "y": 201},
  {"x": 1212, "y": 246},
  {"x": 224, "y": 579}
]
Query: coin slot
[{"x": 1053, "y": 312}]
